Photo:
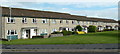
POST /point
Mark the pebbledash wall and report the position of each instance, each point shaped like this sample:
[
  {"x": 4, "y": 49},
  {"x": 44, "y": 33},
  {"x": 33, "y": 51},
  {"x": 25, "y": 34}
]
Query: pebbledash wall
[{"x": 24, "y": 23}]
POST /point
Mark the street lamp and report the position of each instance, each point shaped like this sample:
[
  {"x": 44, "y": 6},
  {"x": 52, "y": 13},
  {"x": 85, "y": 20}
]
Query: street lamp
[{"x": 10, "y": 17}]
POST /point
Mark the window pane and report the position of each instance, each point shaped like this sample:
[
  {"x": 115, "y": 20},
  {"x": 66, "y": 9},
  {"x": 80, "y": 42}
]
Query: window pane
[
  {"x": 34, "y": 20},
  {"x": 12, "y": 32},
  {"x": 8, "y": 32},
  {"x": 12, "y": 20},
  {"x": 44, "y": 20},
  {"x": 15, "y": 32},
  {"x": 66, "y": 21},
  {"x": 24, "y": 20},
  {"x": 72, "y": 22},
  {"x": 60, "y": 21},
  {"x": 8, "y": 19}
]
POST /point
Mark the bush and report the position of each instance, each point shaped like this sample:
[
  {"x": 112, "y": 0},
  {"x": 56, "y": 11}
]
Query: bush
[
  {"x": 66, "y": 32},
  {"x": 92, "y": 28},
  {"x": 78, "y": 27},
  {"x": 69, "y": 33}
]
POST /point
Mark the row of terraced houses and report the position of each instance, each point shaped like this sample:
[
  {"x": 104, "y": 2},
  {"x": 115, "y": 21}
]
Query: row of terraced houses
[{"x": 25, "y": 23}]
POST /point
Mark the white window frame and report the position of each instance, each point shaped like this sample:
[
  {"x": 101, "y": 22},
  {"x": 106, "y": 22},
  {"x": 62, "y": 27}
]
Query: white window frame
[
  {"x": 9, "y": 20},
  {"x": 9, "y": 31},
  {"x": 44, "y": 20},
  {"x": 73, "y": 21},
  {"x": 78, "y": 22},
  {"x": 53, "y": 21},
  {"x": 67, "y": 21},
  {"x": 34, "y": 20},
  {"x": 43, "y": 30},
  {"x": 61, "y": 21},
  {"x": 24, "y": 20}
]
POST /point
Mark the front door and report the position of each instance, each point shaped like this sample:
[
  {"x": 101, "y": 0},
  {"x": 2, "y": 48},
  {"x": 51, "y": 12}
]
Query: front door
[{"x": 28, "y": 33}]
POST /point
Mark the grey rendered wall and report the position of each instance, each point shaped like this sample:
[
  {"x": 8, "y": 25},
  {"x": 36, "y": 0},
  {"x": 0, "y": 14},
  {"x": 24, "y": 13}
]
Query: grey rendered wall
[{"x": 0, "y": 22}]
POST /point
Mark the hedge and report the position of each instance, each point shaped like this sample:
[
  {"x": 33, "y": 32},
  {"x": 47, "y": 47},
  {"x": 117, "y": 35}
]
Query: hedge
[
  {"x": 66, "y": 32},
  {"x": 92, "y": 28}
]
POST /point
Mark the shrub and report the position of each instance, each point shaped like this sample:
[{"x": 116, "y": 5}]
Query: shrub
[
  {"x": 92, "y": 28},
  {"x": 66, "y": 32},
  {"x": 78, "y": 27},
  {"x": 69, "y": 33}
]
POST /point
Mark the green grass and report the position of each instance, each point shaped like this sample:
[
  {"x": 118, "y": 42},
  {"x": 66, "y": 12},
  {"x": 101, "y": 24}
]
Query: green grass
[{"x": 90, "y": 38}]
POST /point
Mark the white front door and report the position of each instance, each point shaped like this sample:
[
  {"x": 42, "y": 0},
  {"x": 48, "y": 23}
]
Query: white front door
[
  {"x": 25, "y": 34},
  {"x": 32, "y": 32}
]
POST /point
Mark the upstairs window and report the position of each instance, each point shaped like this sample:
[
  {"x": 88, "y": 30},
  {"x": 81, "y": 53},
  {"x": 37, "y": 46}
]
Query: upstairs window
[
  {"x": 53, "y": 21},
  {"x": 87, "y": 22},
  {"x": 44, "y": 20},
  {"x": 67, "y": 22},
  {"x": 10, "y": 20},
  {"x": 34, "y": 20},
  {"x": 24, "y": 20},
  {"x": 78, "y": 22},
  {"x": 61, "y": 21},
  {"x": 11, "y": 32},
  {"x": 73, "y": 22}
]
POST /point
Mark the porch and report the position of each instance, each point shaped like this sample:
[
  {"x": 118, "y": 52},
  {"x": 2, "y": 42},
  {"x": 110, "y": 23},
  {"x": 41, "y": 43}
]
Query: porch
[{"x": 28, "y": 32}]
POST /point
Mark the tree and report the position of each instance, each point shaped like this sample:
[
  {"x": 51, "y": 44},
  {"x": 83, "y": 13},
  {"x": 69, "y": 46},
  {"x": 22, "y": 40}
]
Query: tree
[{"x": 78, "y": 27}]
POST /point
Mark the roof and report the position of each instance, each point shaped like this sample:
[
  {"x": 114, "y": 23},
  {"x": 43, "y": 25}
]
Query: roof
[
  {"x": 36, "y": 13},
  {"x": 19, "y": 12},
  {"x": 102, "y": 20}
]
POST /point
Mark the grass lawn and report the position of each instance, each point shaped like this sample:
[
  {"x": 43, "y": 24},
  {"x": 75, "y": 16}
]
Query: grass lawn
[{"x": 90, "y": 38}]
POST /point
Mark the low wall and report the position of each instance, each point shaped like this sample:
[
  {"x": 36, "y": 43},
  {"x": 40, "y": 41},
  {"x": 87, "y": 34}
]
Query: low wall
[{"x": 56, "y": 35}]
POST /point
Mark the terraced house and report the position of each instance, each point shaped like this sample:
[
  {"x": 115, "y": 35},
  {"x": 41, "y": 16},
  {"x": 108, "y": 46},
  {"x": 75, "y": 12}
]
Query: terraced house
[{"x": 25, "y": 23}]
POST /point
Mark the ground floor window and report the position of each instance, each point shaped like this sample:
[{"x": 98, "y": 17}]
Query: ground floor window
[
  {"x": 11, "y": 32},
  {"x": 53, "y": 30},
  {"x": 43, "y": 30}
]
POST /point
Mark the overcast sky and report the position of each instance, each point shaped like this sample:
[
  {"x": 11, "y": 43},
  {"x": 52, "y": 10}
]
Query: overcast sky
[{"x": 92, "y": 8}]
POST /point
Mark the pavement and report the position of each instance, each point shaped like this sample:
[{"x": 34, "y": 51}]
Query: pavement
[
  {"x": 61, "y": 49},
  {"x": 63, "y": 46}
]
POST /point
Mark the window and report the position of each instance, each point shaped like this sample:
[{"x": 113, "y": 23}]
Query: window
[
  {"x": 84, "y": 22},
  {"x": 34, "y": 20},
  {"x": 87, "y": 22},
  {"x": 73, "y": 22},
  {"x": 44, "y": 20},
  {"x": 10, "y": 20},
  {"x": 67, "y": 22},
  {"x": 53, "y": 21},
  {"x": 43, "y": 30},
  {"x": 53, "y": 30},
  {"x": 78, "y": 22},
  {"x": 24, "y": 20},
  {"x": 91, "y": 22},
  {"x": 11, "y": 32},
  {"x": 61, "y": 21},
  {"x": 8, "y": 32}
]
